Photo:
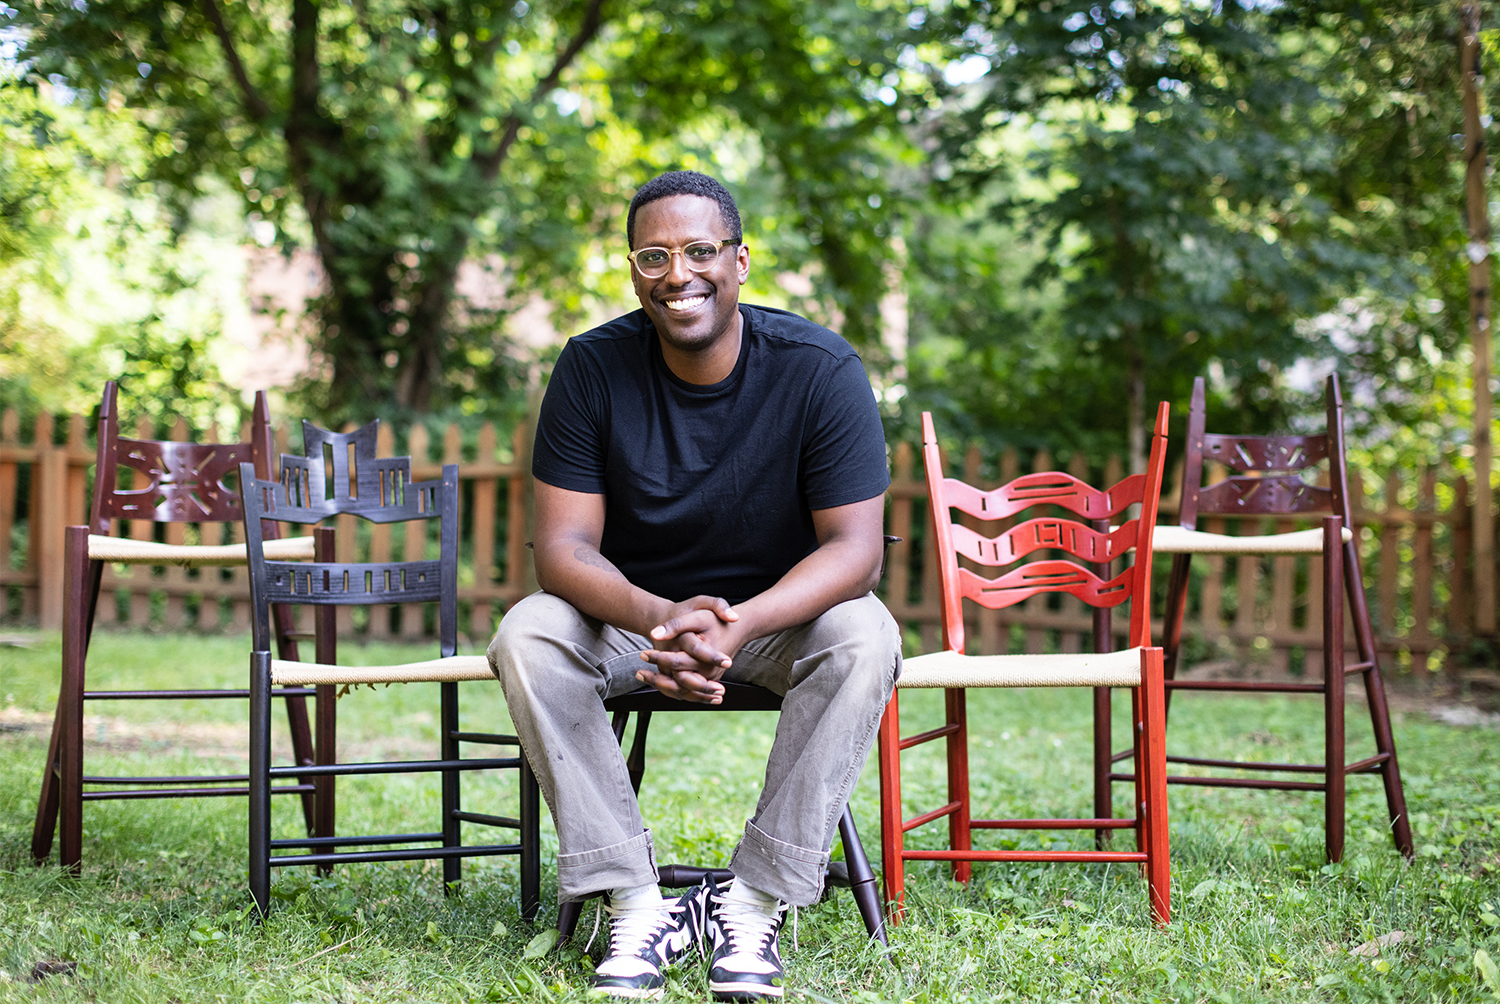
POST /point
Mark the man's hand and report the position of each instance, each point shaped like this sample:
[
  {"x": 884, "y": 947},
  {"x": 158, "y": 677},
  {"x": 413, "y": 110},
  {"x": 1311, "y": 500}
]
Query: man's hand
[{"x": 696, "y": 644}]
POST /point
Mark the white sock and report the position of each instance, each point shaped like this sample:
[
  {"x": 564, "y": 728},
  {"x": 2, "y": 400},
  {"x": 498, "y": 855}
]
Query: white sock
[
  {"x": 635, "y": 896},
  {"x": 742, "y": 892}
]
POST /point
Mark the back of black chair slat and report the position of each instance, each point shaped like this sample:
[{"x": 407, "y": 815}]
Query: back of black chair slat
[{"x": 296, "y": 500}]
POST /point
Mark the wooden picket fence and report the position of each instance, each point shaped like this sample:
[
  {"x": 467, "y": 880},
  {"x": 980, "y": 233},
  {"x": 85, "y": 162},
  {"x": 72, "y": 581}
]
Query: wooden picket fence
[{"x": 1415, "y": 542}]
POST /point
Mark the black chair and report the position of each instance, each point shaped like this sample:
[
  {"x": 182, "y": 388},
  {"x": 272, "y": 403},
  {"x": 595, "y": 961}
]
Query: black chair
[
  {"x": 853, "y": 873},
  {"x": 341, "y": 477}
]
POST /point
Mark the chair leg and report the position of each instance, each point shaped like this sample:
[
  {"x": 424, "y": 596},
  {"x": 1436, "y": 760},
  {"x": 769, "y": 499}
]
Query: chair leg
[
  {"x": 1103, "y": 763},
  {"x": 1333, "y": 687},
  {"x": 70, "y": 699},
  {"x": 1380, "y": 713},
  {"x": 1152, "y": 765},
  {"x": 45, "y": 827},
  {"x": 862, "y": 878},
  {"x": 531, "y": 843},
  {"x": 260, "y": 781},
  {"x": 1138, "y": 731},
  {"x": 959, "y": 838},
  {"x": 1176, "y": 614},
  {"x": 448, "y": 750},
  {"x": 891, "y": 836}
]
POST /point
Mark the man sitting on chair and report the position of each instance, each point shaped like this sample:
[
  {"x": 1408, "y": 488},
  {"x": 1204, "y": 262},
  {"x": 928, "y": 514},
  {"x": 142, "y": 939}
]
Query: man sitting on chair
[{"x": 710, "y": 483}]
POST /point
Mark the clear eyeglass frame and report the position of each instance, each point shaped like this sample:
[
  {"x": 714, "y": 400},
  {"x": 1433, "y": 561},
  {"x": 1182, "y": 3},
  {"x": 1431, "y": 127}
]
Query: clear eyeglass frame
[{"x": 700, "y": 256}]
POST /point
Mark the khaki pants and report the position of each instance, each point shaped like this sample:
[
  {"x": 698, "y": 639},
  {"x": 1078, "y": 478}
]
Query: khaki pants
[{"x": 834, "y": 673}]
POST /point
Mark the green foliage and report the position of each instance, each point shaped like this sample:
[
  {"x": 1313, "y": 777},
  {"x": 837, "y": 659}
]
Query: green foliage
[{"x": 93, "y": 285}]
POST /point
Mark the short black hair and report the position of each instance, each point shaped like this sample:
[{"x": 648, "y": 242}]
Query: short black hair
[{"x": 664, "y": 186}]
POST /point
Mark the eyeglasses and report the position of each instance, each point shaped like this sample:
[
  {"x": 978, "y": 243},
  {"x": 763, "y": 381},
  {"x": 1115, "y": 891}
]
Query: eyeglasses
[{"x": 700, "y": 256}]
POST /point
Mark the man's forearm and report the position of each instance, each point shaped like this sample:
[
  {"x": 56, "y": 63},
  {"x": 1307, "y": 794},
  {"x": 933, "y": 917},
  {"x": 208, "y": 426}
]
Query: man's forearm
[
  {"x": 577, "y": 572},
  {"x": 835, "y": 572}
]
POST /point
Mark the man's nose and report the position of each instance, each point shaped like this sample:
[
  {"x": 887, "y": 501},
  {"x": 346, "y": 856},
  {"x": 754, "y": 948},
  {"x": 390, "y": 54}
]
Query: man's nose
[{"x": 678, "y": 272}]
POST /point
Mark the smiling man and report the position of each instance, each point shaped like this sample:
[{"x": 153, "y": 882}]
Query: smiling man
[{"x": 710, "y": 482}]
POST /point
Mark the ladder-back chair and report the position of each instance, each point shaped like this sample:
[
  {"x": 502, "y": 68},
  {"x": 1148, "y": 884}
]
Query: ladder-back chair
[
  {"x": 1268, "y": 481},
  {"x": 341, "y": 476},
  {"x": 1093, "y": 543},
  {"x": 176, "y": 484}
]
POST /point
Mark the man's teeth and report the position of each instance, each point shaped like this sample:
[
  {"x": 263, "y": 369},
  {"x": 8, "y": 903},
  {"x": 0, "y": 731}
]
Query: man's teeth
[{"x": 687, "y": 303}]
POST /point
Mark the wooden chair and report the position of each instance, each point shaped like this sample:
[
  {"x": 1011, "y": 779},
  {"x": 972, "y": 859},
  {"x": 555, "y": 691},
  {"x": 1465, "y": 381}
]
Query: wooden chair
[
  {"x": 1268, "y": 482},
  {"x": 1094, "y": 540},
  {"x": 342, "y": 477},
  {"x": 175, "y": 484},
  {"x": 853, "y": 873}
]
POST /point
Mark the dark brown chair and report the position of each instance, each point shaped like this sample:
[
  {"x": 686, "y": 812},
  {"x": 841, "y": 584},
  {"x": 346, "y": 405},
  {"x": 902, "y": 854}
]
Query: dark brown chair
[
  {"x": 854, "y": 872},
  {"x": 175, "y": 484},
  {"x": 1268, "y": 481},
  {"x": 341, "y": 477}
]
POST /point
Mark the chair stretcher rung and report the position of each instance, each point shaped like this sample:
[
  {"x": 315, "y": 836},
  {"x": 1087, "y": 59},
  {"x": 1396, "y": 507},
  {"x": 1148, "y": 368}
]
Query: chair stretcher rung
[
  {"x": 1235, "y": 782},
  {"x": 1238, "y": 686},
  {"x": 1113, "y": 823},
  {"x": 492, "y": 738},
  {"x": 187, "y": 779},
  {"x": 190, "y": 695},
  {"x": 1085, "y": 857},
  {"x": 927, "y": 817},
  {"x": 355, "y": 840},
  {"x": 398, "y": 767},
  {"x": 1369, "y": 765},
  {"x": 1357, "y": 667},
  {"x": 415, "y": 854},
  {"x": 929, "y": 736},
  {"x": 484, "y": 819},
  {"x": 1296, "y": 768},
  {"x": 107, "y": 796}
]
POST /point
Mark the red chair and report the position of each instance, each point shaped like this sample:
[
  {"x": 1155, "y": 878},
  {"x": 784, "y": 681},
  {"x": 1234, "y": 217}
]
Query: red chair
[
  {"x": 176, "y": 483},
  {"x": 1268, "y": 482},
  {"x": 1094, "y": 540}
]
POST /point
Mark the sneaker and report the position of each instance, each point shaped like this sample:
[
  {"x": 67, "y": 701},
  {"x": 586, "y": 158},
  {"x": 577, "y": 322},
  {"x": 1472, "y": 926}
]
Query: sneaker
[
  {"x": 745, "y": 964},
  {"x": 643, "y": 941}
]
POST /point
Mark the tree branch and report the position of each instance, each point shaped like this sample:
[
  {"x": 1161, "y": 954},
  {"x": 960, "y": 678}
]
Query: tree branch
[
  {"x": 255, "y": 105},
  {"x": 592, "y": 22}
]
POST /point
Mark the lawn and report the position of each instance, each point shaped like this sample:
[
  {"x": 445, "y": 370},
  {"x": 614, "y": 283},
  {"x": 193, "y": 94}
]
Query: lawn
[{"x": 159, "y": 913}]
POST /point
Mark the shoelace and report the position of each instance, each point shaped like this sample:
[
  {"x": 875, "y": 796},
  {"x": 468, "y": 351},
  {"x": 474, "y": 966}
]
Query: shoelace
[
  {"x": 759, "y": 926},
  {"x": 631, "y": 927}
]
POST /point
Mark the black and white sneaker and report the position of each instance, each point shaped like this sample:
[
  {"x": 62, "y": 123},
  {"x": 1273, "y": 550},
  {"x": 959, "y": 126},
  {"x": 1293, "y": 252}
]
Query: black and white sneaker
[
  {"x": 745, "y": 964},
  {"x": 644, "y": 941}
]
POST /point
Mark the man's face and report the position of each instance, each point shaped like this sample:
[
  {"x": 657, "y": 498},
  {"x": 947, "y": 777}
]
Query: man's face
[{"x": 692, "y": 311}]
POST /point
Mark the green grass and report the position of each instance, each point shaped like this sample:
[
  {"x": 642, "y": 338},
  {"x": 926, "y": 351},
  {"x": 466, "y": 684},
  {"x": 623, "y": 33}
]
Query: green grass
[{"x": 159, "y": 913}]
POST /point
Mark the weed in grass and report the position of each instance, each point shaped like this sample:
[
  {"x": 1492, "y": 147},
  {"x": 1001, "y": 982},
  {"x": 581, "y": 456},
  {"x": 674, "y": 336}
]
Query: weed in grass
[{"x": 160, "y": 913}]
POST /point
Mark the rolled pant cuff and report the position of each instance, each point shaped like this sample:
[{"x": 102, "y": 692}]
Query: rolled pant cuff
[
  {"x": 629, "y": 863},
  {"x": 790, "y": 873}
]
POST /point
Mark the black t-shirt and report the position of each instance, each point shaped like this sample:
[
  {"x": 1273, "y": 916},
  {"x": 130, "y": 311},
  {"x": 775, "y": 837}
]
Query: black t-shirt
[{"x": 710, "y": 489}]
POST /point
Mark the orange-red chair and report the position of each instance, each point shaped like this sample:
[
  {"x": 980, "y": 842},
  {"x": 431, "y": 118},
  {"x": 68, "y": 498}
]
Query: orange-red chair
[{"x": 1096, "y": 542}]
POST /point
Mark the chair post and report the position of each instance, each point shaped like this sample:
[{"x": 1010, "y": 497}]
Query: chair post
[
  {"x": 448, "y": 713},
  {"x": 325, "y": 748},
  {"x": 531, "y": 839},
  {"x": 1103, "y": 711},
  {"x": 70, "y": 700},
  {"x": 958, "y": 780},
  {"x": 1153, "y": 765},
  {"x": 260, "y": 781},
  {"x": 1333, "y": 686},
  {"x": 861, "y": 877},
  {"x": 891, "y": 834}
]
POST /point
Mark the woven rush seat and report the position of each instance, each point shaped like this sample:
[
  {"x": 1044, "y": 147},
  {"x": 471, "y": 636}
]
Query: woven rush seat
[
  {"x": 125, "y": 550},
  {"x": 954, "y": 669},
  {"x": 1181, "y": 540},
  {"x": 454, "y": 669}
]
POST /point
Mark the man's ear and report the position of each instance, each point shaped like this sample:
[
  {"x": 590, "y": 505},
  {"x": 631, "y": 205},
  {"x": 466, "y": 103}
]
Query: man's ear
[{"x": 742, "y": 263}]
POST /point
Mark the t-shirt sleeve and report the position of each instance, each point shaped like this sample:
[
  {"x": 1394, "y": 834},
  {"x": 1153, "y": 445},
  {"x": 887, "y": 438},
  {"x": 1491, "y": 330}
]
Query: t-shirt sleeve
[
  {"x": 570, "y": 435},
  {"x": 844, "y": 456}
]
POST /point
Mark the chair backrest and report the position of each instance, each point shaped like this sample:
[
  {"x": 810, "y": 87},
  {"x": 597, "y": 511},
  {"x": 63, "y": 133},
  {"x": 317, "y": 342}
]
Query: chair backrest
[
  {"x": 341, "y": 469},
  {"x": 185, "y": 481},
  {"x": 292, "y": 500},
  {"x": 1091, "y": 538},
  {"x": 1267, "y": 478}
]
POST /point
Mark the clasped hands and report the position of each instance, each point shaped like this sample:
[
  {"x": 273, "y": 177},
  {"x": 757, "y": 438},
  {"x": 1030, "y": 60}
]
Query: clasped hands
[{"x": 695, "y": 643}]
